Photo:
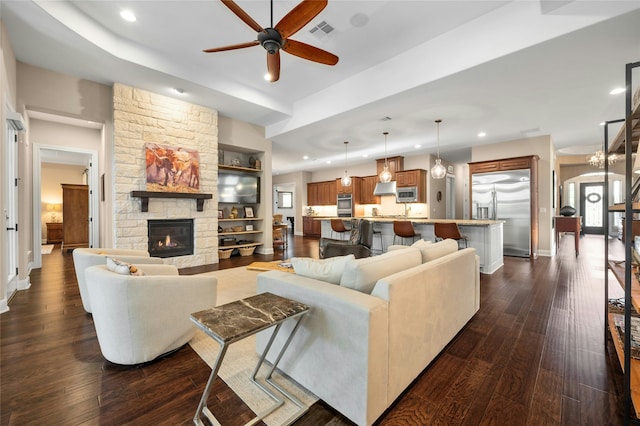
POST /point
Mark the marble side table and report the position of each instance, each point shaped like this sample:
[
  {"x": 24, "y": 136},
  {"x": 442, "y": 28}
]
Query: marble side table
[{"x": 237, "y": 320}]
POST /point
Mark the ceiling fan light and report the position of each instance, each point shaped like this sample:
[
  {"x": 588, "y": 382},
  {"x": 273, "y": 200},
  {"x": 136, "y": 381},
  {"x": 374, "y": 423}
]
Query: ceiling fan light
[{"x": 438, "y": 171}]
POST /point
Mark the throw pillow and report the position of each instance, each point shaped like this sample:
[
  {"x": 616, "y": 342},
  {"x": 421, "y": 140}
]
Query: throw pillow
[
  {"x": 354, "y": 235},
  {"x": 124, "y": 268},
  {"x": 329, "y": 270},
  {"x": 441, "y": 248},
  {"x": 363, "y": 274}
]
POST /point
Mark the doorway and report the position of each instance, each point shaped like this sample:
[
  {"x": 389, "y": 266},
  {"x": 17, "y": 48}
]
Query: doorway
[
  {"x": 69, "y": 156},
  {"x": 450, "y": 196},
  {"x": 592, "y": 207}
]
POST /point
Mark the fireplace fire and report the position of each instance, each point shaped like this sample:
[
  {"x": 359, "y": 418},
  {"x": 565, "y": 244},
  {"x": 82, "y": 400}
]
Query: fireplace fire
[{"x": 170, "y": 237}]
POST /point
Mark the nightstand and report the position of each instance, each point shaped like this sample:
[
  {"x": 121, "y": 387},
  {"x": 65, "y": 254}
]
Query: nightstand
[{"x": 54, "y": 232}]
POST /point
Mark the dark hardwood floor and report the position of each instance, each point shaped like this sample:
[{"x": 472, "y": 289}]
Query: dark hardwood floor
[{"x": 533, "y": 355}]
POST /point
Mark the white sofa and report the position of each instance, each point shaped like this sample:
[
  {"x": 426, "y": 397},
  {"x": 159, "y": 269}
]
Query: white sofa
[
  {"x": 86, "y": 257},
  {"x": 138, "y": 318},
  {"x": 359, "y": 351}
]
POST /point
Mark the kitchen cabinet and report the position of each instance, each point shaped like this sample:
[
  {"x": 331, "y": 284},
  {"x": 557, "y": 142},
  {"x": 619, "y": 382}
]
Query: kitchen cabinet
[
  {"x": 353, "y": 189},
  {"x": 311, "y": 227},
  {"x": 322, "y": 193},
  {"x": 396, "y": 164},
  {"x": 54, "y": 232},
  {"x": 367, "y": 186},
  {"x": 516, "y": 163},
  {"x": 417, "y": 178},
  {"x": 75, "y": 211}
]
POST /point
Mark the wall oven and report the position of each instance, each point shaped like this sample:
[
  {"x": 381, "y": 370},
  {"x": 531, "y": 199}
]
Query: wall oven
[{"x": 345, "y": 205}]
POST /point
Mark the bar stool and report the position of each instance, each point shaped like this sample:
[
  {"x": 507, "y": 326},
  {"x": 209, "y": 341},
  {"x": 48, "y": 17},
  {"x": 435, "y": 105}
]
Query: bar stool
[
  {"x": 377, "y": 232},
  {"x": 337, "y": 226},
  {"x": 449, "y": 230},
  {"x": 404, "y": 229}
]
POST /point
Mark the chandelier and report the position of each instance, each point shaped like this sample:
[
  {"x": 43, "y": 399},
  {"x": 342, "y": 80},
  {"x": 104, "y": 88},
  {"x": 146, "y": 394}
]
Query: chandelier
[{"x": 598, "y": 159}]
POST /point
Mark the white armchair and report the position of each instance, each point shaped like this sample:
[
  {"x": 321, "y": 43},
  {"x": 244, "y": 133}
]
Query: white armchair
[
  {"x": 86, "y": 257},
  {"x": 139, "y": 318}
]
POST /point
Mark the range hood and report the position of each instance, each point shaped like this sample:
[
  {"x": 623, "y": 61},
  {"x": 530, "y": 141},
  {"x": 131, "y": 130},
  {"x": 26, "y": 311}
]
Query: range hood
[{"x": 385, "y": 188}]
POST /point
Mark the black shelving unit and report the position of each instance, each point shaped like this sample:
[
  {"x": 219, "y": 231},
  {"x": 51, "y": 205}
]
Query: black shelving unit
[{"x": 630, "y": 284}]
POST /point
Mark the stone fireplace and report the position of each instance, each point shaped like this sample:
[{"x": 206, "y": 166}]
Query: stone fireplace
[
  {"x": 141, "y": 117},
  {"x": 170, "y": 237}
]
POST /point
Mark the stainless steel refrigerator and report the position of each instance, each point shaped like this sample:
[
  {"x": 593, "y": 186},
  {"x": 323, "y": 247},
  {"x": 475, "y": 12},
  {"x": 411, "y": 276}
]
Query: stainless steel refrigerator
[{"x": 505, "y": 196}]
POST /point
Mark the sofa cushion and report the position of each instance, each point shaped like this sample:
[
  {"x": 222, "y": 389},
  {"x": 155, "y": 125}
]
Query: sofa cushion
[
  {"x": 362, "y": 274},
  {"x": 441, "y": 248},
  {"x": 329, "y": 270}
]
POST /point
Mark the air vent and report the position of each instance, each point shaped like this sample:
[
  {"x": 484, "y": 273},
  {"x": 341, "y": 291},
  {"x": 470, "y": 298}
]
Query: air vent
[{"x": 322, "y": 30}]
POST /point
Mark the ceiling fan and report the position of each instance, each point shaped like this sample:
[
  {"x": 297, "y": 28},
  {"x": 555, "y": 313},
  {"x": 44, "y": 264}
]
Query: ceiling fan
[{"x": 274, "y": 39}]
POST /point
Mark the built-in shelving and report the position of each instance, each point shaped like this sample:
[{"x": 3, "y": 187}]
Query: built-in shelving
[
  {"x": 238, "y": 168},
  {"x": 239, "y": 245}
]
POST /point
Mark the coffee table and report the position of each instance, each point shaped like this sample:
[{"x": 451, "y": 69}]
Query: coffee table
[{"x": 237, "y": 320}]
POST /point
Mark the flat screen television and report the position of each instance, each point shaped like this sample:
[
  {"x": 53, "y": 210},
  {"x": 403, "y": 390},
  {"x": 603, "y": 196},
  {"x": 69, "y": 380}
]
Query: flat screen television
[{"x": 236, "y": 188}]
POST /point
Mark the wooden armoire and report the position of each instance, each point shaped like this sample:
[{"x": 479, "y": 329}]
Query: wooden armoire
[{"x": 75, "y": 213}]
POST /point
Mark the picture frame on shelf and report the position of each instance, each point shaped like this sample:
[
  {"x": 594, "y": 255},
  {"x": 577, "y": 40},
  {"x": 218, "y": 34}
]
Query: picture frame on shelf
[
  {"x": 248, "y": 211},
  {"x": 249, "y": 228},
  {"x": 220, "y": 214}
]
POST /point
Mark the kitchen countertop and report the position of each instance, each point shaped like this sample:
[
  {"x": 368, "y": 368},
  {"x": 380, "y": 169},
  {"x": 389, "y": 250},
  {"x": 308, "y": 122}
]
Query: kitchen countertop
[{"x": 383, "y": 219}]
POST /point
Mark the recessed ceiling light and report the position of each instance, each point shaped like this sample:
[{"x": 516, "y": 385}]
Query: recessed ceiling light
[
  {"x": 267, "y": 77},
  {"x": 128, "y": 15},
  {"x": 482, "y": 134},
  {"x": 417, "y": 146},
  {"x": 306, "y": 157},
  {"x": 328, "y": 161},
  {"x": 617, "y": 91},
  {"x": 365, "y": 155},
  {"x": 602, "y": 123}
]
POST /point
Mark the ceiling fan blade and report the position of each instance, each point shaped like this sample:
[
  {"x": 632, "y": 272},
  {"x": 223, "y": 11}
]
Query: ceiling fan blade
[
  {"x": 243, "y": 15},
  {"x": 300, "y": 16},
  {"x": 273, "y": 66},
  {"x": 306, "y": 51},
  {"x": 232, "y": 47}
]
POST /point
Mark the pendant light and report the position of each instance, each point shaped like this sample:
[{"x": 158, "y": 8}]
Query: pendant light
[
  {"x": 346, "y": 179},
  {"x": 385, "y": 174},
  {"x": 438, "y": 171},
  {"x": 386, "y": 186}
]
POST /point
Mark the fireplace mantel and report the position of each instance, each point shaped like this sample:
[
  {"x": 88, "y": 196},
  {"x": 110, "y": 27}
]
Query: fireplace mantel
[{"x": 145, "y": 195}]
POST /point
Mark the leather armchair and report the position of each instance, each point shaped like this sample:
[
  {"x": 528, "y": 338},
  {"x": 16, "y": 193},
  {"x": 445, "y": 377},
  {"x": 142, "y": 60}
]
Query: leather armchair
[
  {"x": 139, "y": 318},
  {"x": 86, "y": 257},
  {"x": 359, "y": 244}
]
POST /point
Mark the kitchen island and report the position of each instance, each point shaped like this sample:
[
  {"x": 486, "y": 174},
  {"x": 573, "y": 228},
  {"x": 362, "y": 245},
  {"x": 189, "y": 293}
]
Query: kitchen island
[{"x": 483, "y": 235}]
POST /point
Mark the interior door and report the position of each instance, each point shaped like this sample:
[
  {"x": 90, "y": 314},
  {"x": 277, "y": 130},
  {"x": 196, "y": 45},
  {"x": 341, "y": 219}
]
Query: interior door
[
  {"x": 10, "y": 213},
  {"x": 592, "y": 207}
]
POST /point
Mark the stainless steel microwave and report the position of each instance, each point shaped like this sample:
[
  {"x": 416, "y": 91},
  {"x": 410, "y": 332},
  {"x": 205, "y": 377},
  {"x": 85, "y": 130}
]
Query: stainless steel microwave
[{"x": 407, "y": 194}]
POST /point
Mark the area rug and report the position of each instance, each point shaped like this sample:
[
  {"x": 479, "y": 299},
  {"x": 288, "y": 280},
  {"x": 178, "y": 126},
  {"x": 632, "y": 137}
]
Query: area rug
[
  {"x": 47, "y": 248},
  {"x": 241, "y": 358}
]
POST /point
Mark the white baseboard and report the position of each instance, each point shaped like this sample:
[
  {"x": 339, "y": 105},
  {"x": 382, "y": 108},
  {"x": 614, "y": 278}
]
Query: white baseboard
[{"x": 24, "y": 284}]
